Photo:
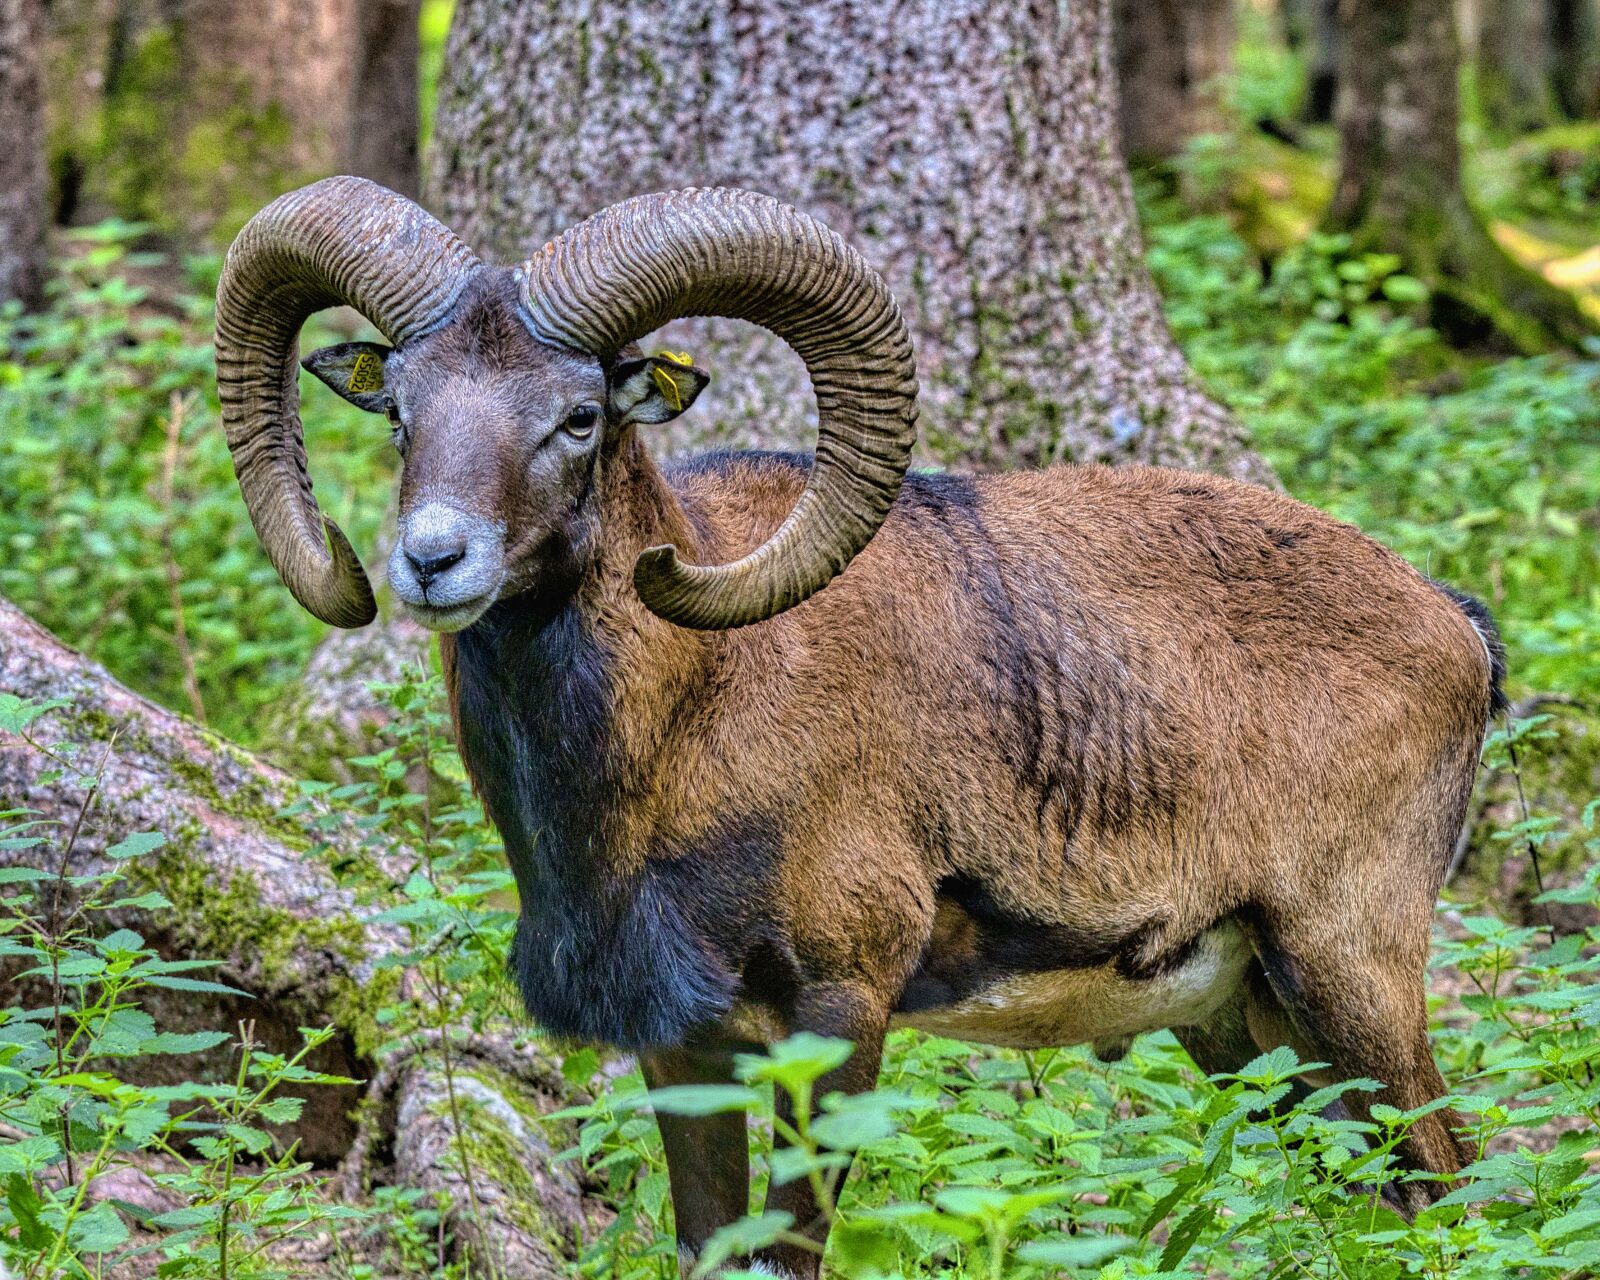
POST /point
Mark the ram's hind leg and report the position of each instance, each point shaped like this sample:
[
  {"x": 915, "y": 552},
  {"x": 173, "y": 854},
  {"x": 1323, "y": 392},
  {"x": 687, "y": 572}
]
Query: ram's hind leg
[
  {"x": 1353, "y": 998},
  {"x": 1225, "y": 1043}
]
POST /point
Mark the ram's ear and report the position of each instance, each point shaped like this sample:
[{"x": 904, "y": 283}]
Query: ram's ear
[
  {"x": 655, "y": 388},
  {"x": 355, "y": 371}
]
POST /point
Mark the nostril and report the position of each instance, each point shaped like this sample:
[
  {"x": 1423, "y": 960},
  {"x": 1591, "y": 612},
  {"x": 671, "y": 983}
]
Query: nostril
[{"x": 430, "y": 562}]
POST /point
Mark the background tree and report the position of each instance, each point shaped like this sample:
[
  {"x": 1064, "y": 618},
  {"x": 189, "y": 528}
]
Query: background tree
[
  {"x": 23, "y": 210},
  {"x": 1511, "y": 44},
  {"x": 192, "y": 115},
  {"x": 1172, "y": 57},
  {"x": 1574, "y": 27},
  {"x": 971, "y": 153},
  {"x": 1534, "y": 61},
  {"x": 1399, "y": 188},
  {"x": 1311, "y": 27}
]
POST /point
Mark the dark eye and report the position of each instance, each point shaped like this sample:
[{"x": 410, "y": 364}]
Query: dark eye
[
  {"x": 397, "y": 428},
  {"x": 580, "y": 423}
]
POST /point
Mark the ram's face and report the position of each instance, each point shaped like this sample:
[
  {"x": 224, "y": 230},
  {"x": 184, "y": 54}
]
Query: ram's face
[
  {"x": 512, "y": 435},
  {"x": 503, "y": 438}
]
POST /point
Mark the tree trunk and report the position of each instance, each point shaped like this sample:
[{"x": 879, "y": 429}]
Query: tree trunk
[
  {"x": 1311, "y": 28},
  {"x": 381, "y": 142},
  {"x": 1513, "y": 64},
  {"x": 23, "y": 207},
  {"x": 191, "y": 114},
  {"x": 1172, "y": 57},
  {"x": 1399, "y": 188},
  {"x": 1574, "y": 27},
  {"x": 968, "y": 149},
  {"x": 244, "y": 891}
]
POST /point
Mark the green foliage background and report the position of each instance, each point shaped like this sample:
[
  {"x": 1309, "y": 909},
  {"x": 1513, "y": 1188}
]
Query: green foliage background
[{"x": 120, "y": 513}]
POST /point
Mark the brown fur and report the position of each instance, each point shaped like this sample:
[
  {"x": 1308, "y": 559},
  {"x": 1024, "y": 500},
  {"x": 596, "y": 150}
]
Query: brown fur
[
  {"x": 1078, "y": 734},
  {"x": 1255, "y": 712}
]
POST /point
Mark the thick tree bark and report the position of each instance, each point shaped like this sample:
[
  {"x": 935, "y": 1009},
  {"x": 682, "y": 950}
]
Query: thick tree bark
[
  {"x": 968, "y": 149},
  {"x": 1399, "y": 188},
  {"x": 245, "y": 892},
  {"x": 1172, "y": 56},
  {"x": 192, "y": 114},
  {"x": 23, "y": 200}
]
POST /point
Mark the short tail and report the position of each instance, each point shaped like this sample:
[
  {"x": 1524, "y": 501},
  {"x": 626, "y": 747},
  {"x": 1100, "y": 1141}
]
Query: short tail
[{"x": 1483, "y": 623}]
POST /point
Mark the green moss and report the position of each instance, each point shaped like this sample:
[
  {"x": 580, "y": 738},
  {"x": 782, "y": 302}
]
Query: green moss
[
  {"x": 487, "y": 1144},
  {"x": 226, "y": 919}
]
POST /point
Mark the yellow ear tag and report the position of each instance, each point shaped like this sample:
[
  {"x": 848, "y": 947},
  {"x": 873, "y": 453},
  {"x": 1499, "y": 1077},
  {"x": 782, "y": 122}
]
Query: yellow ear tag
[
  {"x": 366, "y": 374},
  {"x": 665, "y": 382},
  {"x": 668, "y": 388}
]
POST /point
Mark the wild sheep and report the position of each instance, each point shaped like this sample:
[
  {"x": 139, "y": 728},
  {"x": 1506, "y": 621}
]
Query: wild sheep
[{"x": 1056, "y": 756}]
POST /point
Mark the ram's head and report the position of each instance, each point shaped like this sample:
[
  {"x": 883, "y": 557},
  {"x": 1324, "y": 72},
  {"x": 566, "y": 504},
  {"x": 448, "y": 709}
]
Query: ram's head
[{"x": 509, "y": 390}]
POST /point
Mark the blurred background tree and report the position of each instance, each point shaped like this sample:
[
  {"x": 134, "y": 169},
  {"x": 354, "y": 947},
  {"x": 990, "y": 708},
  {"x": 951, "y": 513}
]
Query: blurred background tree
[
  {"x": 1173, "y": 61},
  {"x": 23, "y": 211},
  {"x": 190, "y": 115},
  {"x": 1311, "y": 29},
  {"x": 1400, "y": 187}
]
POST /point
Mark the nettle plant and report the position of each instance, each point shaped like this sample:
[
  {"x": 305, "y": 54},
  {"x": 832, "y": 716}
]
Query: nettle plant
[
  {"x": 989, "y": 1163},
  {"x": 69, "y": 1116}
]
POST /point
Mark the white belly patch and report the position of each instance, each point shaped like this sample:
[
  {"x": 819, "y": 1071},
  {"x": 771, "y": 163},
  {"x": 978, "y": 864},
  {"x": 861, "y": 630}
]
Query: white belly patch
[{"x": 1076, "y": 1006}]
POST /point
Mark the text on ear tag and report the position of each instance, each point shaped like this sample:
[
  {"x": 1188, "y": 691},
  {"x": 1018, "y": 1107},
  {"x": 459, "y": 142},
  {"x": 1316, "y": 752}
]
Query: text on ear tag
[{"x": 366, "y": 374}]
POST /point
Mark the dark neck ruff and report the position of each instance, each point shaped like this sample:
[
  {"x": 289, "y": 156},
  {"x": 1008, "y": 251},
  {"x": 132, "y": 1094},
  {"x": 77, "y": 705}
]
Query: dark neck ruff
[{"x": 602, "y": 953}]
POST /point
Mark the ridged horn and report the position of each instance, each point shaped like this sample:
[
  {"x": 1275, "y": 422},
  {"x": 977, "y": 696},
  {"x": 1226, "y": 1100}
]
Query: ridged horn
[
  {"x": 341, "y": 240},
  {"x": 631, "y": 268}
]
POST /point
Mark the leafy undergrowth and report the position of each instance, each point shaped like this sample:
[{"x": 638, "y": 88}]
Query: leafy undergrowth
[
  {"x": 970, "y": 1162},
  {"x": 122, "y": 531}
]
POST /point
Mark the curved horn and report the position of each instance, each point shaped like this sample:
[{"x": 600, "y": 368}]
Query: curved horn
[
  {"x": 341, "y": 240},
  {"x": 641, "y": 263}
]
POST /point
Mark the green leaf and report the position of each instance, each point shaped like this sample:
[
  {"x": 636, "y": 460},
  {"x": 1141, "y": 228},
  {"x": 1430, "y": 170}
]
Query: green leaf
[
  {"x": 1183, "y": 1236},
  {"x": 796, "y": 1062},
  {"x": 701, "y": 1099},
  {"x": 136, "y": 845},
  {"x": 25, "y": 1205},
  {"x": 193, "y": 984},
  {"x": 99, "y": 1230},
  {"x": 1085, "y": 1250},
  {"x": 29, "y": 1155},
  {"x": 184, "y": 1042},
  {"x": 741, "y": 1237}
]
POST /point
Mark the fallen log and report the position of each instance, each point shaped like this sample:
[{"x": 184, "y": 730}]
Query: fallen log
[{"x": 247, "y": 891}]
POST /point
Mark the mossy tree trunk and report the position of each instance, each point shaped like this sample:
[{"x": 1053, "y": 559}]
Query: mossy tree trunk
[
  {"x": 970, "y": 150},
  {"x": 1172, "y": 58},
  {"x": 194, "y": 114},
  {"x": 1399, "y": 188},
  {"x": 23, "y": 208}
]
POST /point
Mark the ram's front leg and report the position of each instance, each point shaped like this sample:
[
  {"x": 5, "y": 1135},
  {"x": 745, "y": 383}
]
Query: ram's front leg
[
  {"x": 851, "y": 1013},
  {"x": 708, "y": 1157}
]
